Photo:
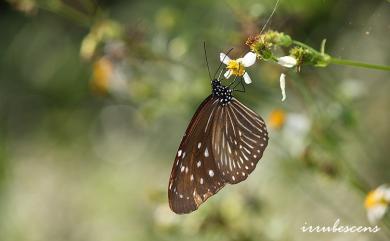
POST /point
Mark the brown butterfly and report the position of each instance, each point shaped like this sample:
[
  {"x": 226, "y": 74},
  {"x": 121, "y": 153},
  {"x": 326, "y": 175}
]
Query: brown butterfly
[{"x": 222, "y": 144}]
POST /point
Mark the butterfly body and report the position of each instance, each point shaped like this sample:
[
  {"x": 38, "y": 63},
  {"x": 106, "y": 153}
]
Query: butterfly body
[
  {"x": 223, "y": 93},
  {"x": 222, "y": 144}
]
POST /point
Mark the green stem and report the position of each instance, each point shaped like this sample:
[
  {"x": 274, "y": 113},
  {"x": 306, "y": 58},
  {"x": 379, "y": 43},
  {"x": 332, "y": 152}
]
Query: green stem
[
  {"x": 344, "y": 61},
  {"x": 358, "y": 64}
]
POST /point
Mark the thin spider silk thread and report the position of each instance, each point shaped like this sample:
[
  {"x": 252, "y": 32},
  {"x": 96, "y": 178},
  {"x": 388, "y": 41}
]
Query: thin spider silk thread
[{"x": 270, "y": 16}]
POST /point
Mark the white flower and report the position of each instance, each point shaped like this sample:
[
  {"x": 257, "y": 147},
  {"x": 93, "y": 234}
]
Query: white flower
[
  {"x": 237, "y": 66},
  {"x": 377, "y": 202},
  {"x": 287, "y": 61},
  {"x": 282, "y": 80},
  {"x": 295, "y": 133}
]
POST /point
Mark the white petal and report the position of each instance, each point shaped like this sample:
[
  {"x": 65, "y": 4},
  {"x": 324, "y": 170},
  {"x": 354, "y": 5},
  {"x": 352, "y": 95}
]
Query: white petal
[
  {"x": 282, "y": 80},
  {"x": 287, "y": 61},
  {"x": 384, "y": 191},
  {"x": 374, "y": 214},
  {"x": 227, "y": 74},
  {"x": 247, "y": 79},
  {"x": 224, "y": 58},
  {"x": 249, "y": 59},
  {"x": 387, "y": 195}
]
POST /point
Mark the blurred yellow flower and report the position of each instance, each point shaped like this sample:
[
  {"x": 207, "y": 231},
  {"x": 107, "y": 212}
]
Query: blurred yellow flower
[
  {"x": 377, "y": 202},
  {"x": 277, "y": 118},
  {"x": 102, "y": 72}
]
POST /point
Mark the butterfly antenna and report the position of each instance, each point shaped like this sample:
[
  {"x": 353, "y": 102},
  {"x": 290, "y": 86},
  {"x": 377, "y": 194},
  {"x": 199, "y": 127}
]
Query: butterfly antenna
[
  {"x": 207, "y": 62},
  {"x": 220, "y": 65},
  {"x": 270, "y": 16}
]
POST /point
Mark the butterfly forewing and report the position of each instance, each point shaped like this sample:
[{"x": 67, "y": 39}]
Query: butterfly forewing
[
  {"x": 195, "y": 176},
  {"x": 239, "y": 141}
]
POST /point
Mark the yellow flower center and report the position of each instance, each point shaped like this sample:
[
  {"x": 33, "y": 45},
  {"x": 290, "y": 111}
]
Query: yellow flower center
[
  {"x": 373, "y": 199},
  {"x": 236, "y": 67}
]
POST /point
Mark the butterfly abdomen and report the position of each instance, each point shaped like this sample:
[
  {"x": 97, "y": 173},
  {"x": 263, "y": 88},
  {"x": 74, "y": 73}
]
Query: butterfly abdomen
[{"x": 223, "y": 93}]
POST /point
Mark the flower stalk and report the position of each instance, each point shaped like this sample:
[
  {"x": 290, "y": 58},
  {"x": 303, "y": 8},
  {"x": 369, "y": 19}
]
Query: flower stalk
[
  {"x": 264, "y": 45},
  {"x": 358, "y": 64}
]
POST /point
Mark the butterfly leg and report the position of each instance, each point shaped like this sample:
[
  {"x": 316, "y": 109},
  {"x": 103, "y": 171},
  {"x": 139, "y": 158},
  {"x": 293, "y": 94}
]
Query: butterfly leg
[
  {"x": 242, "y": 84},
  {"x": 234, "y": 80}
]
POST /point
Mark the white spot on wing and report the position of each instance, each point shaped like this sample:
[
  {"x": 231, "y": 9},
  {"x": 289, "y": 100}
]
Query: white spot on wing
[
  {"x": 206, "y": 152},
  {"x": 211, "y": 173}
]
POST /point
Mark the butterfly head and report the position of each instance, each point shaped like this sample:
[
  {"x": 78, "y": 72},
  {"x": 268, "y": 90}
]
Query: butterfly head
[{"x": 223, "y": 93}]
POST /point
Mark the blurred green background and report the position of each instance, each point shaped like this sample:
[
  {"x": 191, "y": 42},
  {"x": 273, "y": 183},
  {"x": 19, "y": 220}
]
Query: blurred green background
[{"x": 96, "y": 95}]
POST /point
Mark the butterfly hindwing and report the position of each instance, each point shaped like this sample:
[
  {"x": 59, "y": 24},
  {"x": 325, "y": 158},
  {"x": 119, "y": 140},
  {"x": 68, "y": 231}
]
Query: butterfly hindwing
[
  {"x": 195, "y": 176},
  {"x": 239, "y": 141}
]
